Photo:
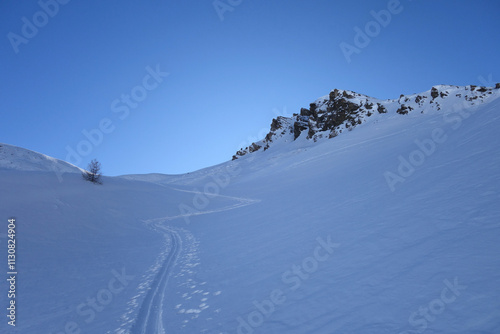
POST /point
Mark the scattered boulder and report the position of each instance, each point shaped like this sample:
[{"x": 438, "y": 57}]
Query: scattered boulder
[
  {"x": 254, "y": 147},
  {"x": 434, "y": 92},
  {"x": 418, "y": 99},
  {"x": 403, "y": 110},
  {"x": 240, "y": 153},
  {"x": 381, "y": 109}
]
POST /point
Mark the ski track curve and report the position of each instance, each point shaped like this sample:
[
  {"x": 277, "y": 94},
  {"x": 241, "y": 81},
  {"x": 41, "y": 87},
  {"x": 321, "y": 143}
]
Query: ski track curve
[
  {"x": 150, "y": 316},
  {"x": 240, "y": 202}
]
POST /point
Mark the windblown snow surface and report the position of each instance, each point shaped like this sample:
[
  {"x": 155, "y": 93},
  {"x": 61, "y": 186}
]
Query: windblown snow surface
[{"x": 393, "y": 227}]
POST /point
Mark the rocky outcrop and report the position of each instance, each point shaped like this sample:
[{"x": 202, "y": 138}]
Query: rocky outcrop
[{"x": 342, "y": 110}]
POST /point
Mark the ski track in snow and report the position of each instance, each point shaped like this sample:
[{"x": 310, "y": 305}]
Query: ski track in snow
[
  {"x": 149, "y": 319},
  {"x": 150, "y": 316}
]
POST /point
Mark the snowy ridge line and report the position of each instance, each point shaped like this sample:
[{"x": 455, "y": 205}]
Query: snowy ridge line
[
  {"x": 18, "y": 158},
  {"x": 149, "y": 318}
]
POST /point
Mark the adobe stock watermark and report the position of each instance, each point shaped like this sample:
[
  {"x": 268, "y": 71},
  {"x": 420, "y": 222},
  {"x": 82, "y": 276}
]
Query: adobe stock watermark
[
  {"x": 408, "y": 164},
  {"x": 121, "y": 108},
  {"x": 223, "y": 6},
  {"x": 372, "y": 29},
  {"x": 486, "y": 82},
  {"x": 416, "y": 158},
  {"x": 30, "y": 27},
  {"x": 294, "y": 277},
  {"x": 94, "y": 304},
  {"x": 427, "y": 314}
]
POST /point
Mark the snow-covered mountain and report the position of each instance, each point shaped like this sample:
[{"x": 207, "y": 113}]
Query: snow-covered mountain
[
  {"x": 342, "y": 110},
  {"x": 391, "y": 228}
]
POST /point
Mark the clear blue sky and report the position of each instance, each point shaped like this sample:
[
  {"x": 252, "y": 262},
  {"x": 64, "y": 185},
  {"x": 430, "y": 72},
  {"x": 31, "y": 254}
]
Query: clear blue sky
[{"x": 227, "y": 78}]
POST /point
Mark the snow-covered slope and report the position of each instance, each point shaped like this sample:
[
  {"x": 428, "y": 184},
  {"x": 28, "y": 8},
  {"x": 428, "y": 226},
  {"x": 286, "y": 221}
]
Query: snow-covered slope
[
  {"x": 16, "y": 158},
  {"x": 391, "y": 228}
]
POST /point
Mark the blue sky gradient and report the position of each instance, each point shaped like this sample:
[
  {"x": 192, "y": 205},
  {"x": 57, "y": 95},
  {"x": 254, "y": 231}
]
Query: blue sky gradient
[{"x": 226, "y": 78}]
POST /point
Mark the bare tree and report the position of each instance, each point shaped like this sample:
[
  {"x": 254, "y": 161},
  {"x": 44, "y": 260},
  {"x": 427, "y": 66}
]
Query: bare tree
[{"x": 93, "y": 172}]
